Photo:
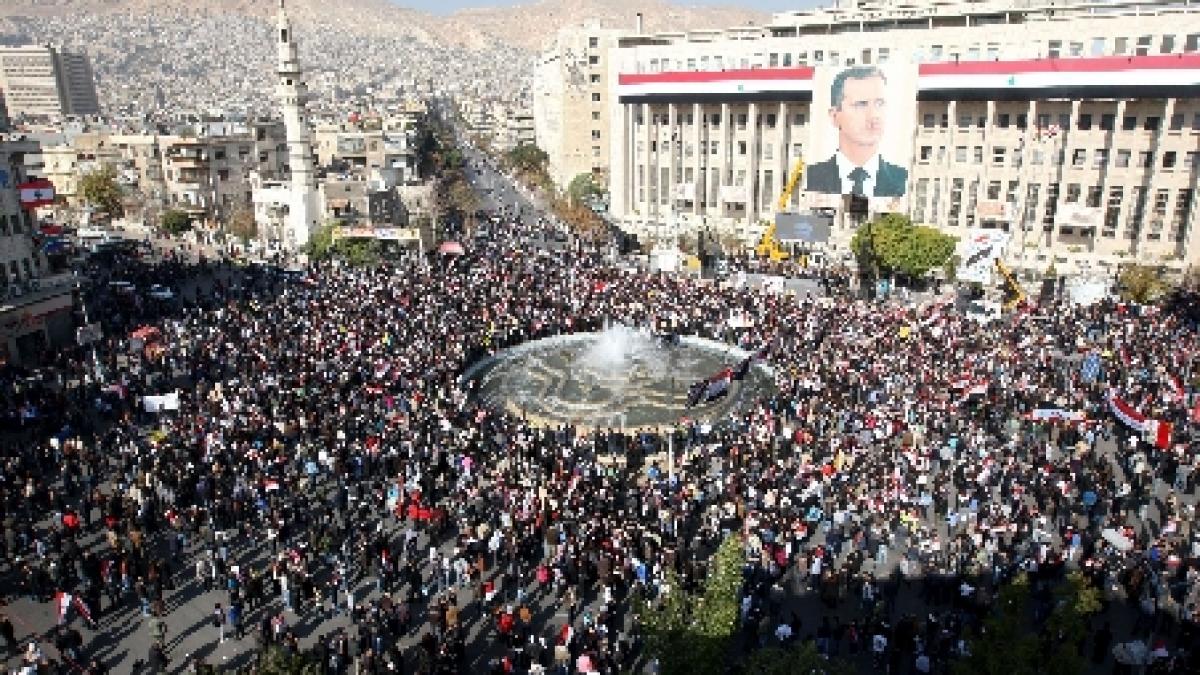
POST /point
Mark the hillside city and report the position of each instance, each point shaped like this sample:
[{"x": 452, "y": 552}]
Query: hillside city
[{"x": 586, "y": 337}]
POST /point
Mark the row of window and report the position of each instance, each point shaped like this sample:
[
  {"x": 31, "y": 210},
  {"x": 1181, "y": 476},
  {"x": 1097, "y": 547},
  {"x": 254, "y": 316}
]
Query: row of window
[
  {"x": 1100, "y": 157},
  {"x": 1143, "y": 45},
  {"x": 1035, "y": 211},
  {"x": 714, "y": 120},
  {"x": 1086, "y": 121}
]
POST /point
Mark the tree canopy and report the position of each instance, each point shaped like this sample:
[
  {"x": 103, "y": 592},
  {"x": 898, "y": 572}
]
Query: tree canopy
[
  {"x": 100, "y": 189},
  {"x": 1141, "y": 283},
  {"x": 582, "y": 188},
  {"x": 691, "y": 633},
  {"x": 527, "y": 159},
  {"x": 176, "y": 222},
  {"x": 893, "y": 244}
]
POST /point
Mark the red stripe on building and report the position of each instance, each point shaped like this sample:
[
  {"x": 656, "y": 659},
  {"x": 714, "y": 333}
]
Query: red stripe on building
[
  {"x": 1099, "y": 64},
  {"x": 703, "y": 76}
]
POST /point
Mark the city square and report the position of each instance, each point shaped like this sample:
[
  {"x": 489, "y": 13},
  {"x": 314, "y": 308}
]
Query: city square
[{"x": 847, "y": 339}]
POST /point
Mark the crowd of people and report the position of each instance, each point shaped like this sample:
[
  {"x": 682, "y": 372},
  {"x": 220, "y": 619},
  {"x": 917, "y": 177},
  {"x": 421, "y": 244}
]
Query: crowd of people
[{"x": 298, "y": 453}]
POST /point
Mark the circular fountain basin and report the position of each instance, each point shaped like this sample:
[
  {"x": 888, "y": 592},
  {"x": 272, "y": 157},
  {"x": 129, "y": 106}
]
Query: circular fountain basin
[{"x": 620, "y": 378}]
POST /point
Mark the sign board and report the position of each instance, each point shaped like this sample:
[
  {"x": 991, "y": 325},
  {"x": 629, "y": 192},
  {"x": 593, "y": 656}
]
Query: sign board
[
  {"x": 809, "y": 228},
  {"x": 381, "y": 233},
  {"x": 1078, "y": 216},
  {"x": 977, "y": 253},
  {"x": 995, "y": 209}
]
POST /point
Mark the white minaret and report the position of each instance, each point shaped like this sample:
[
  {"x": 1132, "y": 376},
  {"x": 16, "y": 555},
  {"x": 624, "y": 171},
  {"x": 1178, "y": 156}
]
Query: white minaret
[{"x": 303, "y": 211}]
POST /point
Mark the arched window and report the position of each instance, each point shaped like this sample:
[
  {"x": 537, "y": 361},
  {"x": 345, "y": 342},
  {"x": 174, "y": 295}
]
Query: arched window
[{"x": 283, "y": 35}]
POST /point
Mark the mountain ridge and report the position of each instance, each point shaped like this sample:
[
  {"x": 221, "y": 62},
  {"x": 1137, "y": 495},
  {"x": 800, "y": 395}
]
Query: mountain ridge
[{"x": 527, "y": 26}]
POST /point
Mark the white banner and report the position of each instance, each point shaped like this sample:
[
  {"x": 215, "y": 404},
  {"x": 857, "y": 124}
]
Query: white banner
[
  {"x": 977, "y": 254},
  {"x": 1079, "y": 216},
  {"x": 155, "y": 404}
]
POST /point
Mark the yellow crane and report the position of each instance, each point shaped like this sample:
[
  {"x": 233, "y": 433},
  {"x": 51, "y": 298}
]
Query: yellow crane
[
  {"x": 1016, "y": 294},
  {"x": 768, "y": 246}
]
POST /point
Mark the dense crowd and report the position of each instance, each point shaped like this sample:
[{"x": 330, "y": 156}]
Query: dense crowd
[{"x": 325, "y": 460}]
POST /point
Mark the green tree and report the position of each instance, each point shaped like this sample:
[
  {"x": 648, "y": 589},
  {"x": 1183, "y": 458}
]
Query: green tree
[
  {"x": 242, "y": 224},
  {"x": 1006, "y": 645},
  {"x": 176, "y": 222},
  {"x": 582, "y": 189},
  {"x": 462, "y": 197},
  {"x": 800, "y": 660},
  {"x": 892, "y": 243},
  {"x": 320, "y": 242},
  {"x": 1141, "y": 284},
  {"x": 527, "y": 159},
  {"x": 1075, "y": 600},
  {"x": 101, "y": 190},
  {"x": 358, "y": 252},
  {"x": 275, "y": 660},
  {"x": 665, "y": 624},
  {"x": 691, "y": 634}
]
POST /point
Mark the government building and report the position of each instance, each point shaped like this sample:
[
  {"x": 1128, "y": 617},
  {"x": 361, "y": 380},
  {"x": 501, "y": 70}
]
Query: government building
[{"x": 1073, "y": 126}]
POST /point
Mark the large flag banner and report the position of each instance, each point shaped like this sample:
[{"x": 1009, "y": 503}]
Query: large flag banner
[
  {"x": 1127, "y": 413},
  {"x": 978, "y": 252},
  {"x": 1159, "y": 433},
  {"x": 36, "y": 193}
]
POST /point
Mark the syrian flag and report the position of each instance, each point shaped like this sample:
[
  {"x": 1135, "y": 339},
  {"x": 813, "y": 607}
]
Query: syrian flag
[
  {"x": 1159, "y": 433},
  {"x": 979, "y": 388},
  {"x": 742, "y": 370},
  {"x": 36, "y": 193},
  {"x": 718, "y": 385},
  {"x": 1126, "y": 413},
  {"x": 81, "y": 607},
  {"x": 270, "y": 484},
  {"x": 1177, "y": 387},
  {"x": 63, "y": 600}
]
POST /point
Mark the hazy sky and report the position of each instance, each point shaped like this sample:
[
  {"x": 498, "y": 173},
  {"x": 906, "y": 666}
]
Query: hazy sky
[{"x": 447, "y": 6}]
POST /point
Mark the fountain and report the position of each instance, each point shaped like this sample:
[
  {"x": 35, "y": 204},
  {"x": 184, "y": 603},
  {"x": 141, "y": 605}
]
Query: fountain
[{"x": 620, "y": 377}]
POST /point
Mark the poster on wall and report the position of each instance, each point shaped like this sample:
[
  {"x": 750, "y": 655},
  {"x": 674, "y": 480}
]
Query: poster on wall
[
  {"x": 861, "y": 134},
  {"x": 978, "y": 252}
]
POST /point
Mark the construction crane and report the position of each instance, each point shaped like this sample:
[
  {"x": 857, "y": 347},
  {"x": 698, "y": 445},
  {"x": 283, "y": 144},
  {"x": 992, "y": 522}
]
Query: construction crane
[
  {"x": 1015, "y": 294},
  {"x": 768, "y": 245}
]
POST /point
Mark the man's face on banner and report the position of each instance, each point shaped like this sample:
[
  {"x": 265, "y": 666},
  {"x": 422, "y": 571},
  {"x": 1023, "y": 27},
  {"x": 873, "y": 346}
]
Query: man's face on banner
[{"x": 859, "y": 118}]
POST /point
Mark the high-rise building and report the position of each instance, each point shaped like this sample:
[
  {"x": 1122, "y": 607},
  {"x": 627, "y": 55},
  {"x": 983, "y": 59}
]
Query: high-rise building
[
  {"x": 303, "y": 211},
  {"x": 44, "y": 81},
  {"x": 1072, "y": 127},
  {"x": 571, "y": 102}
]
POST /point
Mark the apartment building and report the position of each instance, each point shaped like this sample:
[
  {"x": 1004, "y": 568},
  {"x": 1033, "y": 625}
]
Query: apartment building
[
  {"x": 385, "y": 146},
  {"x": 47, "y": 82},
  {"x": 1075, "y": 127},
  {"x": 354, "y": 201},
  {"x": 571, "y": 101},
  {"x": 205, "y": 175},
  {"x": 35, "y": 308},
  {"x": 514, "y": 127}
]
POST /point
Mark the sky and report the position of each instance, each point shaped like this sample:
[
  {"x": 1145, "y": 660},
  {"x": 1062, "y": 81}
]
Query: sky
[{"x": 447, "y": 6}]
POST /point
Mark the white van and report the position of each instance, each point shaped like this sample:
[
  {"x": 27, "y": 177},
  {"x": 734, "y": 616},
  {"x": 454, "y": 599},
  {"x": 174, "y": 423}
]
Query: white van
[{"x": 91, "y": 239}]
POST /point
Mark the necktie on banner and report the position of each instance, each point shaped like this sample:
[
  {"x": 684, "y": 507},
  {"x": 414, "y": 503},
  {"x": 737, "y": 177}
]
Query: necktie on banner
[{"x": 858, "y": 181}]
